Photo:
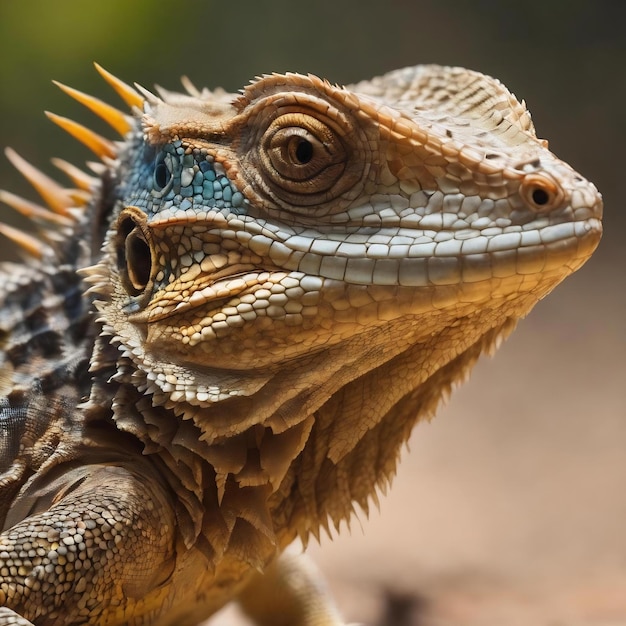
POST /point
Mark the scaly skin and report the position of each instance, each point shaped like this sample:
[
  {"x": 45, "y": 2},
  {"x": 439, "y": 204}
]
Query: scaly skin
[{"x": 285, "y": 282}]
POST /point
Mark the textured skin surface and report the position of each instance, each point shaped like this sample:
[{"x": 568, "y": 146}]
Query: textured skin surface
[{"x": 285, "y": 282}]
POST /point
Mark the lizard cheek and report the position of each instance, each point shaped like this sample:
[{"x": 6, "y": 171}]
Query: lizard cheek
[{"x": 134, "y": 254}]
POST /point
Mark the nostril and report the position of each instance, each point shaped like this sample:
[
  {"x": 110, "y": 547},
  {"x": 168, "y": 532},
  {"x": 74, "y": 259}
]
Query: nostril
[
  {"x": 541, "y": 192},
  {"x": 134, "y": 255},
  {"x": 540, "y": 196}
]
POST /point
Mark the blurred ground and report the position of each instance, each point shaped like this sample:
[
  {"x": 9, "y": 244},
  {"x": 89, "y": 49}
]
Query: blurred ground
[{"x": 510, "y": 508}]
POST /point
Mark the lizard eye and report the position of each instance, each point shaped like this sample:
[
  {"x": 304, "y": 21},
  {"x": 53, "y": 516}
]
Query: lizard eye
[
  {"x": 301, "y": 150},
  {"x": 298, "y": 155},
  {"x": 302, "y": 155},
  {"x": 163, "y": 173}
]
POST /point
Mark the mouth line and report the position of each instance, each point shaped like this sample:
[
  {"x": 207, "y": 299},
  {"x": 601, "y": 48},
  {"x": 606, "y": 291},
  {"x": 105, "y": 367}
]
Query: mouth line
[{"x": 225, "y": 286}]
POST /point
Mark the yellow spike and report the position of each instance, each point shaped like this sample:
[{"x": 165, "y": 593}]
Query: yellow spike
[
  {"x": 112, "y": 116},
  {"x": 189, "y": 87},
  {"x": 81, "y": 198},
  {"x": 96, "y": 167},
  {"x": 148, "y": 96},
  {"x": 81, "y": 179},
  {"x": 124, "y": 91},
  {"x": 32, "y": 210},
  {"x": 31, "y": 244},
  {"x": 55, "y": 196},
  {"x": 99, "y": 145}
]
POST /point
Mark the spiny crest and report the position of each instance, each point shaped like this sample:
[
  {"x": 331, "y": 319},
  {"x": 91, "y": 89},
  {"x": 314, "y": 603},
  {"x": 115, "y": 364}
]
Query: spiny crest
[{"x": 65, "y": 205}]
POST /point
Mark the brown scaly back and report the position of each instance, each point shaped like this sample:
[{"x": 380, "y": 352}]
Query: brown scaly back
[{"x": 46, "y": 328}]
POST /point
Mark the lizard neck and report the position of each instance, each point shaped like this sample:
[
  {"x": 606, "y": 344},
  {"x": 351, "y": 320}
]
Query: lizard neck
[{"x": 309, "y": 442}]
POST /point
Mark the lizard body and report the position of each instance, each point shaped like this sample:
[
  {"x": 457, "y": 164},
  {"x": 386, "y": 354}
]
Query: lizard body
[{"x": 280, "y": 284}]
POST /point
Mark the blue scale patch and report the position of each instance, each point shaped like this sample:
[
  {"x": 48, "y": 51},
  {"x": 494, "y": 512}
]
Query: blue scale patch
[{"x": 169, "y": 178}]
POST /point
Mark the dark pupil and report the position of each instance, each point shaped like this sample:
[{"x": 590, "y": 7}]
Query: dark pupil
[
  {"x": 161, "y": 175},
  {"x": 304, "y": 151},
  {"x": 540, "y": 197}
]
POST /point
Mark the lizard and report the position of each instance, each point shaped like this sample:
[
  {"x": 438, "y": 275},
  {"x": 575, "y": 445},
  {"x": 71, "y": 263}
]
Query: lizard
[{"x": 226, "y": 329}]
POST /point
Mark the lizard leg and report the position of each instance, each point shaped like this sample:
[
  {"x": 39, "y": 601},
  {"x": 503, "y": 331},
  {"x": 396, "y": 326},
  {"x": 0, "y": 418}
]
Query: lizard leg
[
  {"x": 99, "y": 552},
  {"x": 290, "y": 592},
  {"x": 11, "y": 618}
]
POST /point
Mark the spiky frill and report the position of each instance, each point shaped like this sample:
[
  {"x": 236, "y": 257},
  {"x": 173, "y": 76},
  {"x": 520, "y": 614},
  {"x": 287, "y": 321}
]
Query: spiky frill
[
  {"x": 63, "y": 207},
  {"x": 222, "y": 491}
]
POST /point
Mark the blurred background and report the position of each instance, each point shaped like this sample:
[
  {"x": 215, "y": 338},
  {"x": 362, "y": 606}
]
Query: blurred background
[{"x": 510, "y": 507}]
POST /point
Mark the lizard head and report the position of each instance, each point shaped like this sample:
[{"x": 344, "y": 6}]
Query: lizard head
[{"x": 256, "y": 230}]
